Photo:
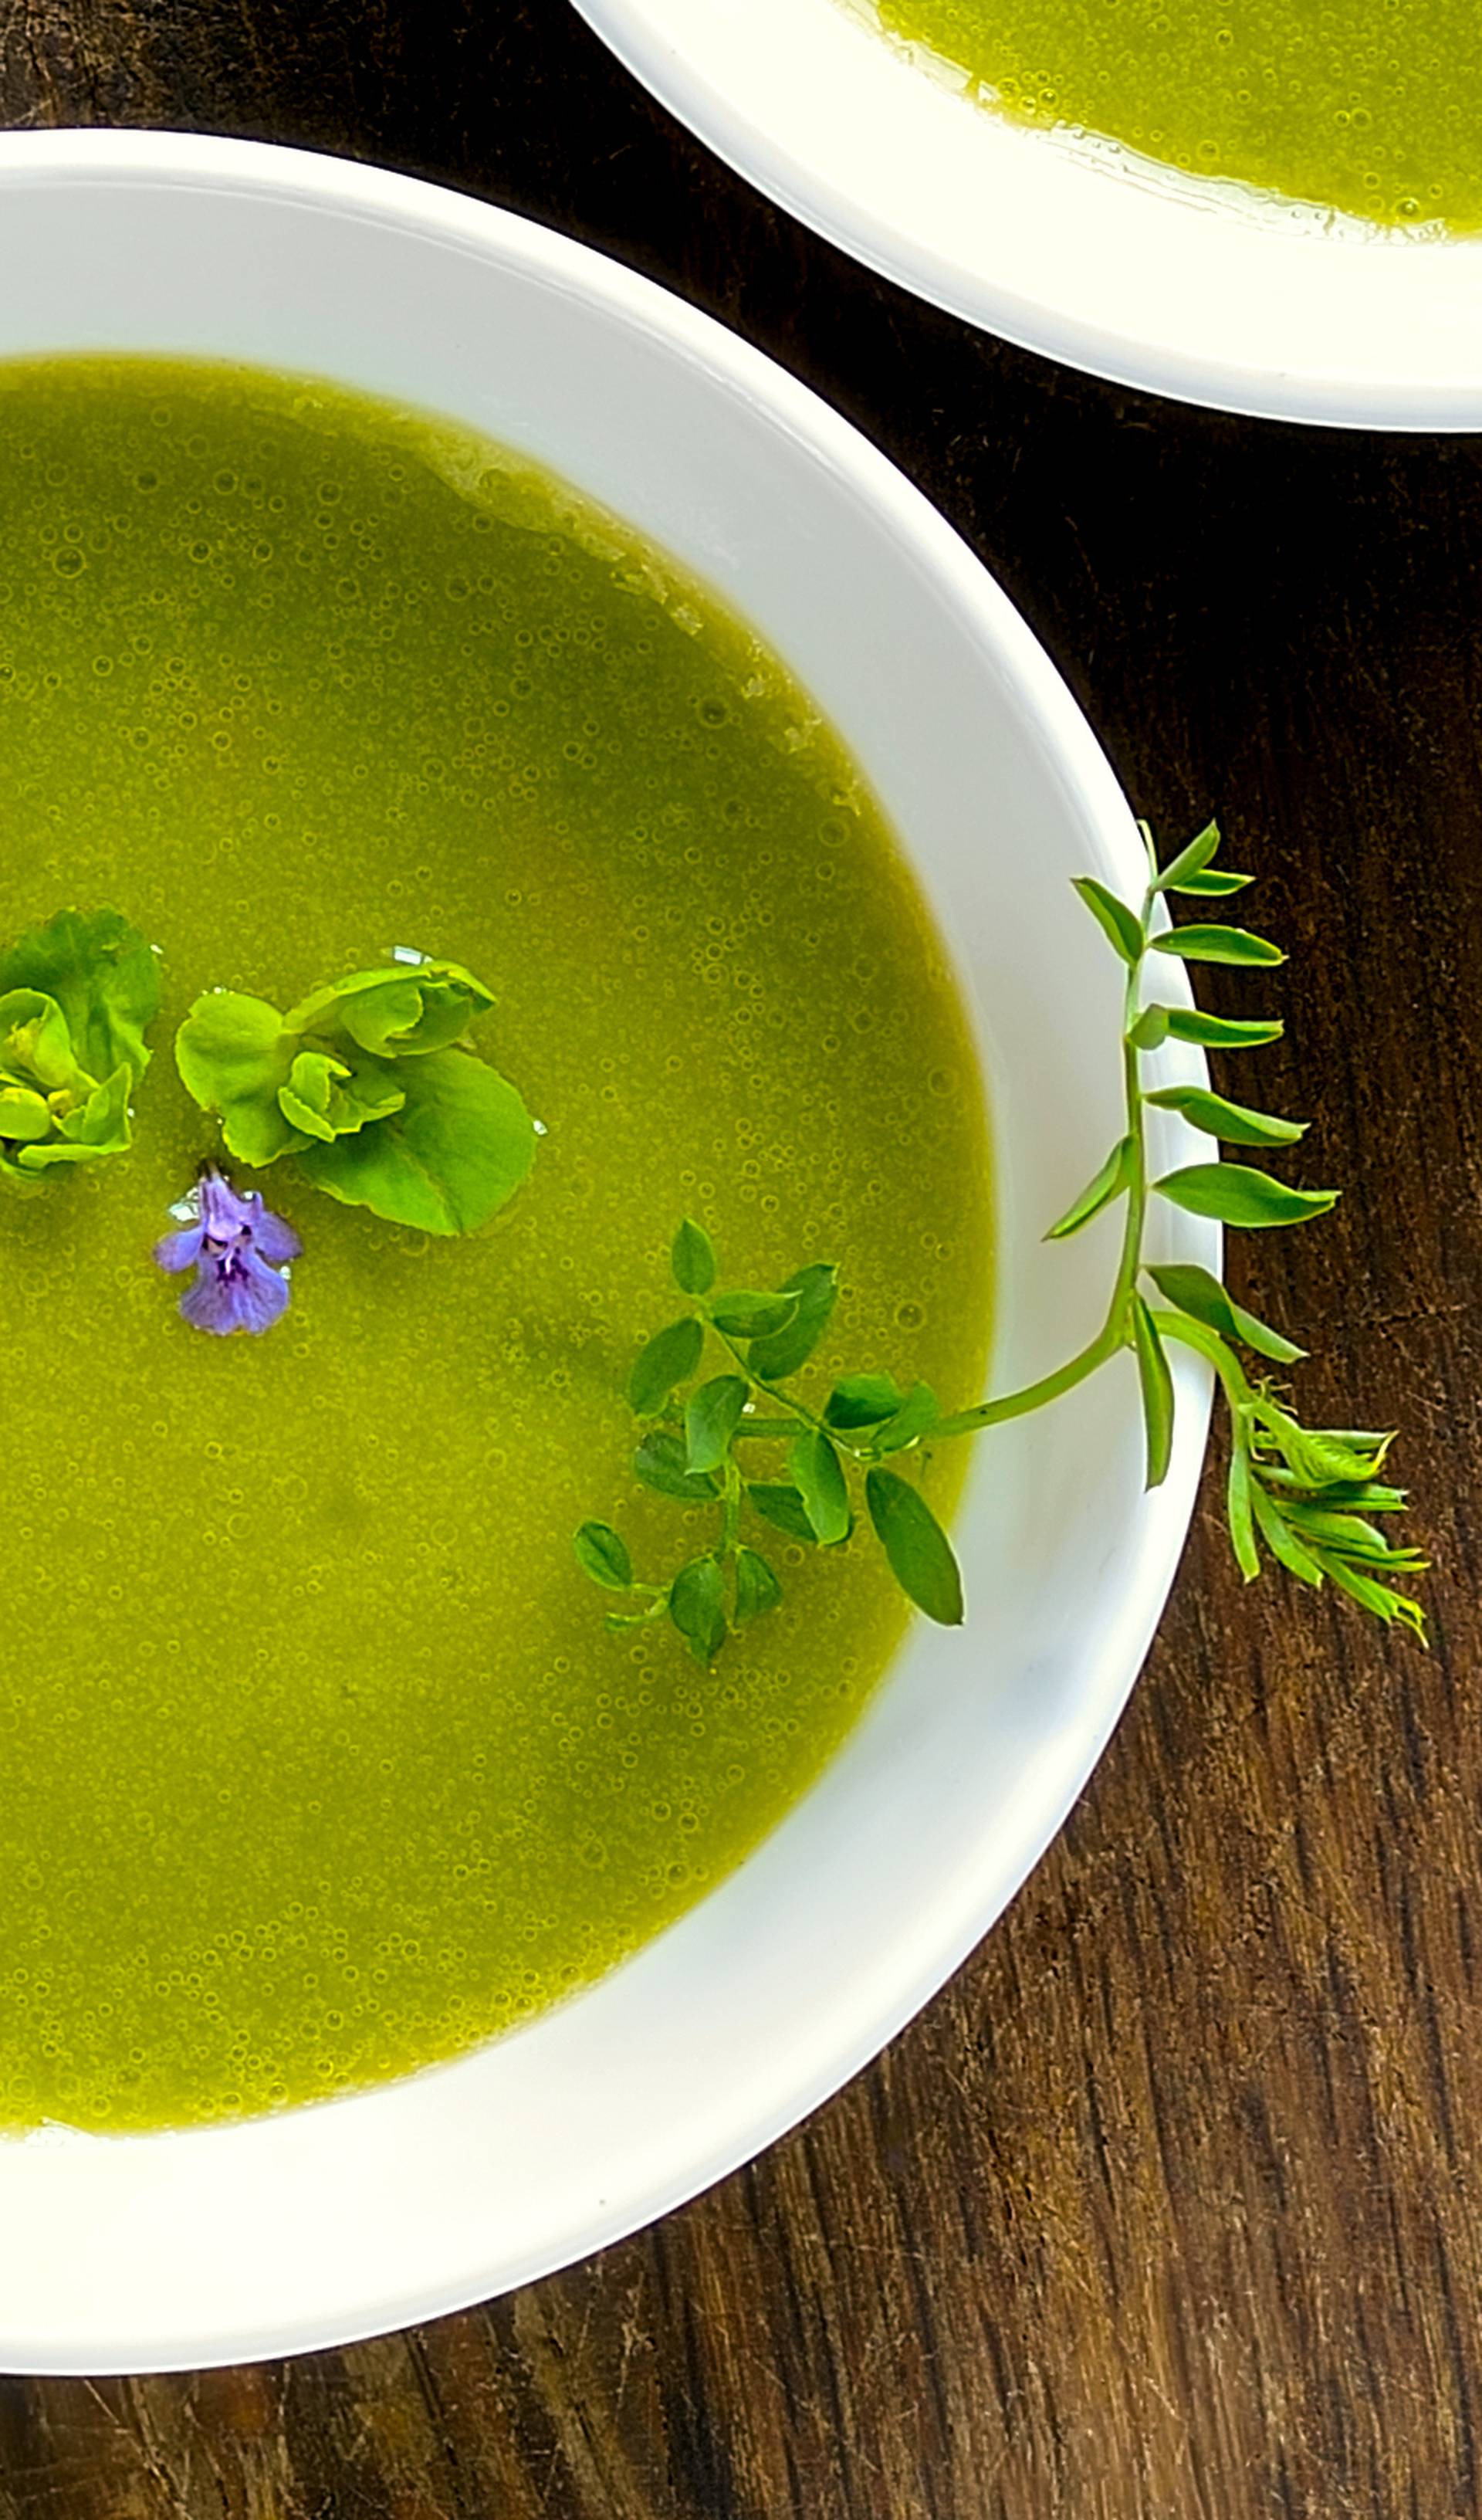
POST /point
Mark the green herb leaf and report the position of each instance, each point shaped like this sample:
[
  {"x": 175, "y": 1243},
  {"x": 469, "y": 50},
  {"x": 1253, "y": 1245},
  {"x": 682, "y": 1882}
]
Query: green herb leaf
[
  {"x": 1156, "y": 1382},
  {"x": 1190, "y": 860},
  {"x": 670, "y": 1357},
  {"x": 1150, "y": 1030},
  {"x": 917, "y": 1415},
  {"x": 103, "y": 976},
  {"x": 74, "y": 998},
  {"x": 919, "y": 1552},
  {"x": 693, "y": 1259},
  {"x": 402, "y": 1011},
  {"x": 1242, "y": 1536},
  {"x": 446, "y": 1160},
  {"x": 1239, "y": 1195},
  {"x": 1379, "y": 1599},
  {"x": 1121, "y": 926},
  {"x": 234, "y": 1056},
  {"x": 1107, "y": 1185},
  {"x": 742, "y": 1314},
  {"x": 1280, "y": 1540},
  {"x": 1230, "y": 1121},
  {"x": 756, "y": 1587},
  {"x": 863, "y": 1400},
  {"x": 1217, "y": 945},
  {"x": 786, "y": 1351},
  {"x": 698, "y": 1607},
  {"x": 819, "y": 1476},
  {"x": 784, "y": 1507},
  {"x": 324, "y": 1099},
  {"x": 1198, "y": 1292},
  {"x": 602, "y": 1553},
  {"x": 1212, "y": 882},
  {"x": 1220, "y": 1032},
  {"x": 712, "y": 1417},
  {"x": 661, "y": 1462}
]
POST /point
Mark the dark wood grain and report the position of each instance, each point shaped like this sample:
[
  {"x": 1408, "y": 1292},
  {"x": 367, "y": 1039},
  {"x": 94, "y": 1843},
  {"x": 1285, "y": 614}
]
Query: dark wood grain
[{"x": 1171, "y": 2207}]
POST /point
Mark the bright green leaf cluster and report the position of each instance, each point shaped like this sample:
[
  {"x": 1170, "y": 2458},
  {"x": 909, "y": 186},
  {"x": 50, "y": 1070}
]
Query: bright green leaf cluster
[
  {"x": 699, "y": 1448},
  {"x": 1307, "y": 1497},
  {"x": 76, "y": 996},
  {"x": 371, "y": 1086}
]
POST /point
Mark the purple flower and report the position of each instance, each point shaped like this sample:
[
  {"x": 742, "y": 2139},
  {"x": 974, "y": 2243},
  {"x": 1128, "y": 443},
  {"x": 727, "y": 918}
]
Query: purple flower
[{"x": 239, "y": 1252}]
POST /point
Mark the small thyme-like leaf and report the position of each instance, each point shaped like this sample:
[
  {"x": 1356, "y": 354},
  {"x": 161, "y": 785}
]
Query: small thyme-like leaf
[
  {"x": 1220, "y": 1032},
  {"x": 919, "y": 1552},
  {"x": 602, "y": 1553},
  {"x": 669, "y": 1357},
  {"x": 712, "y": 1414},
  {"x": 1197, "y": 1291},
  {"x": 819, "y": 1477},
  {"x": 1120, "y": 925},
  {"x": 1217, "y": 945},
  {"x": 756, "y": 1586},
  {"x": 779, "y": 1354},
  {"x": 783, "y": 1507},
  {"x": 1157, "y": 1384},
  {"x": 693, "y": 1259},
  {"x": 1229, "y": 1121},
  {"x": 698, "y": 1607},
  {"x": 1239, "y": 1195},
  {"x": 742, "y": 1314},
  {"x": 1112, "y": 1182}
]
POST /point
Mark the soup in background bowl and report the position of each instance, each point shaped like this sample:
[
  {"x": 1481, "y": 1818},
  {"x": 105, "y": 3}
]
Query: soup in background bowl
[
  {"x": 368, "y": 414},
  {"x": 1284, "y": 258}
]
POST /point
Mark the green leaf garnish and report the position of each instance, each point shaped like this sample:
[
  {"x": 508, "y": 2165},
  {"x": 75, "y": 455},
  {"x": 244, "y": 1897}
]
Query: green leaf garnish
[
  {"x": 712, "y": 1414},
  {"x": 1232, "y": 1121},
  {"x": 698, "y": 1607},
  {"x": 1219, "y": 1032},
  {"x": 742, "y": 1316},
  {"x": 863, "y": 1400},
  {"x": 693, "y": 1259},
  {"x": 818, "y": 1474},
  {"x": 76, "y": 997},
  {"x": 756, "y": 1587},
  {"x": 1216, "y": 945},
  {"x": 1119, "y": 925},
  {"x": 919, "y": 1552},
  {"x": 1239, "y": 1195},
  {"x": 371, "y": 1084},
  {"x": 776, "y": 1354},
  {"x": 1199, "y": 1292},
  {"x": 1155, "y": 1380},
  {"x": 603, "y": 1555},
  {"x": 1114, "y": 1177},
  {"x": 669, "y": 1357},
  {"x": 1304, "y": 1496}
]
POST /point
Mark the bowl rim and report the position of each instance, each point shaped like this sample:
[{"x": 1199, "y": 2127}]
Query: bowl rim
[
  {"x": 99, "y": 158},
  {"x": 1320, "y": 394}
]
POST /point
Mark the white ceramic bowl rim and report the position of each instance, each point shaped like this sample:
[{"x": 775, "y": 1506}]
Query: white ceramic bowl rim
[
  {"x": 328, "y": 2224},
  {"x": 1196, "y": 290}
]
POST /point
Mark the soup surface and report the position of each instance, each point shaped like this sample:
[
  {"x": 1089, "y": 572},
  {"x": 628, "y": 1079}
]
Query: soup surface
[
  {"x": 1373, "y": 107},
  {"x": 319, "y": 1764}
]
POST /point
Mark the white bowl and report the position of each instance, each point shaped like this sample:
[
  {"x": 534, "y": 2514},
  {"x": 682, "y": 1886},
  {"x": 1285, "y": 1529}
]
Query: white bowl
[
  {"x": 1196, "y": 290},
  {"x": 340, "y": 2221}
]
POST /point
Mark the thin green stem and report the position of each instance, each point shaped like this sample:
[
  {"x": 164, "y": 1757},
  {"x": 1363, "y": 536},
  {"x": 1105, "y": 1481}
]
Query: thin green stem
[{"x": 1114, "y": 1331}]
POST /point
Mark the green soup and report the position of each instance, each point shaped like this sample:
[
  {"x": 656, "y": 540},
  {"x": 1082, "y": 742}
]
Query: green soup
[
  {"x": 319, "y": 1764},
  {"x": 1373, "y": 107}
]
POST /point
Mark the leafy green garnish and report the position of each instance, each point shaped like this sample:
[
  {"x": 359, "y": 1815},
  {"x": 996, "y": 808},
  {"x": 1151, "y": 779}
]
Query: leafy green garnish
[
  {"x": 371, "y": 1084},
  {"x": 1307, "y": 1497},
  {"x": 76, "y": 996}
]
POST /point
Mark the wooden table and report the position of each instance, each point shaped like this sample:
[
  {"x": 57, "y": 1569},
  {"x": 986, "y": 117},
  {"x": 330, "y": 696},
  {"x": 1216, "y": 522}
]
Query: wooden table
[{"x": 1171, "y": 2207}]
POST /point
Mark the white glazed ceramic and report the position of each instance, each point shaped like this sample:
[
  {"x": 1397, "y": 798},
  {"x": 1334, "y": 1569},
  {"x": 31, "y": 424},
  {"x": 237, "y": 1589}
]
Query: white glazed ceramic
[
  {"x": 1196, "y": 290},
  {"x": 335, "y": 2222}
]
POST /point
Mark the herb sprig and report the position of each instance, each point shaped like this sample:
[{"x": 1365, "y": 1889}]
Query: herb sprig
[{"x": 745, "y": 1445}]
